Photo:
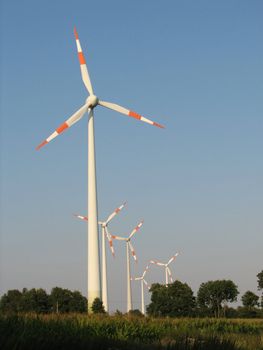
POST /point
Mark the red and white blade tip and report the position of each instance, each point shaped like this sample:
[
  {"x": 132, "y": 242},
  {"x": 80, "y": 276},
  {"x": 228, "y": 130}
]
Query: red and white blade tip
[
  {"x": 140, "y": 117},
  {"x": 58, "y": 131},
  {"x": 81, "y": 217},
  {"x": 118, "y": 237},
  {"x": 132, "y": 251},
  {"x": 134, "y": 255},
  {"x": 68, "y": 123},
  {"x": 111, "y": 246},
  {"x": 138, "y": 226},
  {"x": 172, "y": 258},
  {"x": 120, "y": 207},
  {"x": 129, "y": 113},
  {"x": 116, "y": 211},
  {"x": 41, "y": 144},
  {"x": 76, "y": 33}
]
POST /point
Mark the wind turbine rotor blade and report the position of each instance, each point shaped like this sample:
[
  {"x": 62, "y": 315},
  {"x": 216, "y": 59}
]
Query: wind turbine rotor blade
[
  {"x": 116, "y": 211},
  {"x": 83, "y": 66},
  {"x": 129, "y": 113},
  {"x": 157, "y": 263},
  {"x": 170, "y": 274},
  {"x": 146, "y": 284},
  {"x": 67, "y": 124},
  {"x": 137, "y": 278},
  {"x": 110, "y": 241},
  {"x": 85, "y": 218},
  {"x": 172, "y": 258},
  {"x": 144, "y": 272},
  {"x": 132, "y": 251},
  {"x": 136, "y": 229},
  {"x": 118, "y": 238}
]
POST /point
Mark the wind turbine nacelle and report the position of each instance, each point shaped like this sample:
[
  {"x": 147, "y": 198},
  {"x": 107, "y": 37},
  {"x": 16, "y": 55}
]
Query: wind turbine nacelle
[{"x": 92, "y": 101}]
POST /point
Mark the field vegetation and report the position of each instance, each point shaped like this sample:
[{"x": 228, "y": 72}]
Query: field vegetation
[{"x": 78, "y": 331}]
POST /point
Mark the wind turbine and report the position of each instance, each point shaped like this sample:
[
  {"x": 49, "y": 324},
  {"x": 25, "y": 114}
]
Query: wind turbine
[
  {"x": 105, "y": 233},
  {"x": 143, "y": 282},
  {"x": 94, "y": 288},
  {"x": 166, "y": 267},
  {"x": 129, "y": 248}
]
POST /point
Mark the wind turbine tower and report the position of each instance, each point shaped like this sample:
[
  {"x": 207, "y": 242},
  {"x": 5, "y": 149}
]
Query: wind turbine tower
[
  {"x": 129, "y": 248},
  {"x": 143, "y": 282}
]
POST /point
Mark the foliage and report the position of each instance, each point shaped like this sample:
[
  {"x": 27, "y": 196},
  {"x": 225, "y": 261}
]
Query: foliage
[
  {"x": 249, "y": 312},
  {"x": 38, "y": 301},
  {"x": 250, "y": 300},
  {"x": 34, "y": 300},
  {"x": 64, "y": 300},
  {"x": 213, "y": 294},
  {"x": 135, "y": 313},
  {"x": 73, "y": 331},
  {"x": 11, "y": 301},
  {"x": 173, "y": 300},
  {"x": 97, "y": 306},
  {"x": 230, "y": 312}
]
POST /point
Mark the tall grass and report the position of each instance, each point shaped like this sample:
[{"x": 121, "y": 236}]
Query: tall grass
[{"x": 95, "y": 332}]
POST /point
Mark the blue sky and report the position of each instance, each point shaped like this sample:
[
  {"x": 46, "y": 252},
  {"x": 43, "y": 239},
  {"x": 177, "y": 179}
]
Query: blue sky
[{"x": 194, "y": 66}]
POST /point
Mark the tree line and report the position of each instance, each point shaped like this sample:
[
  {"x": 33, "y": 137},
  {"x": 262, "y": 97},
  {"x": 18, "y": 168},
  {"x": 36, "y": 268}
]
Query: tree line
[
  {"x": 177, "y": 299},
  {"x": 174, "y": 300},
  {"x": 39, "y": 301}
]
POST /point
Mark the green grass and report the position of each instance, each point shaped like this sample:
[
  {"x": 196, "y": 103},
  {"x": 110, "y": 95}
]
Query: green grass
[{"x": 106, "y": 332}]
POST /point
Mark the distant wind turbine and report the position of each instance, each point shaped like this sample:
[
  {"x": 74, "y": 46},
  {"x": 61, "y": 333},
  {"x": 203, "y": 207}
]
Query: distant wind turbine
[
  {"x": 166, "y": 267},
  {"x": 105, "y": 234},
  {"x": 143, "y": 282},
  {"x": 129, "y": 248}
]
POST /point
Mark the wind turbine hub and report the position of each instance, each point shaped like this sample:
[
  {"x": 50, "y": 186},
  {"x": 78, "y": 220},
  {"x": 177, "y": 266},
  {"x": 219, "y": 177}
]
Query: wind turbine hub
[{"x": 92, "y": 101}]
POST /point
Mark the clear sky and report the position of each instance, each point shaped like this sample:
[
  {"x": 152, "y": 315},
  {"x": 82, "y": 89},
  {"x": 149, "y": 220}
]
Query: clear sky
[{"x": 194, "y": 66}]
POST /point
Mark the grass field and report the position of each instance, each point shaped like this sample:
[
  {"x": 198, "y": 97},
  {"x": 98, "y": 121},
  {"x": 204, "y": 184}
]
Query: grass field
[{"x": 110, "y": 332}]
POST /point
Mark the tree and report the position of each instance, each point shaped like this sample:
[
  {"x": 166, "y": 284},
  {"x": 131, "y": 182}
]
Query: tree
[
  {"x": 35, "y": 300},
  {"x": 78, "y": 302},
  {"x": 97, "y": 307},
  {"x": 63, "y": 301},
  {"x": 59, "y": 300},
  {"x": 174, "y": 300},
  {"x": 250, "y": 300},
  {"x": 213, "y": 294},
  {"x": 11, "y": 301}
]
